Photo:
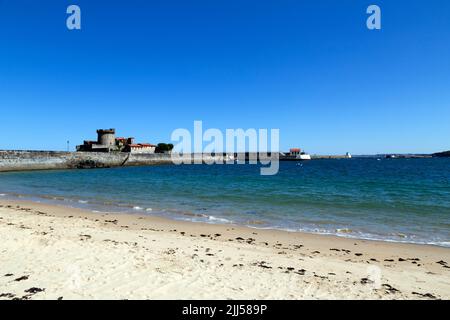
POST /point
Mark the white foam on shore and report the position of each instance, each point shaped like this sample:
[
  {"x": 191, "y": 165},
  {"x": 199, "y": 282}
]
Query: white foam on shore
[
  {"x": 344, "y": 230},
  {"x": 149, "y": 209},
  {"x": 444, "y": 244},
  {"x": 2, "y": 195},
  {"x": 137, "y": 208},
  {"x": 354, "y": 235},
  {"x": 82, "y": 201},
  {"x": 222, "y": 220}
]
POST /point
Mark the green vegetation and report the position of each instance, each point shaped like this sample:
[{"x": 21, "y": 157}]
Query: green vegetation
[{"x": 164, "y": 147}]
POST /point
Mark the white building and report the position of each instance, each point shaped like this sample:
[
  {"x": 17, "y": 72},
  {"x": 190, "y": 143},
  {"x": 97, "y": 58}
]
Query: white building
[{"x": 142, "y": 148}]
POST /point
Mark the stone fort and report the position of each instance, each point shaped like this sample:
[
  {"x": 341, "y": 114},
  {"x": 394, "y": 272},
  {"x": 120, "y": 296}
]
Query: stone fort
[{"x": 108, "y": 142}]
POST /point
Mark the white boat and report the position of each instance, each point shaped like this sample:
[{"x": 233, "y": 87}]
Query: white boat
[
  {"x": 303, "y": 156},
  {"x": 294, "y": 154}
]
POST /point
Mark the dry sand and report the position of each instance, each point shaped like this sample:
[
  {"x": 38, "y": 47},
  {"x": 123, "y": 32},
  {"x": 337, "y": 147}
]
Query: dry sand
[{"x": 52, "y": 252}]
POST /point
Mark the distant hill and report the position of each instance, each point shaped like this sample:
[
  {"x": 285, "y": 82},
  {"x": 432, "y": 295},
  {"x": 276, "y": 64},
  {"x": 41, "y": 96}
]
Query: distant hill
[{"x": 445, "y": 154}]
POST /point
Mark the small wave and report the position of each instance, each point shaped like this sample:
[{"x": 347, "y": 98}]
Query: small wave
[
  {"x": 212, "y": 218},
  {"x": 2, "y": 195},
  {"x": 190, "y": 214},
  {"x": 137, "y": 208},
  {"x": 82, "y": 201},
  {"x": 344, "y": 230},
  {"x": 149, "y": 209},
  {"x": 256, "y": 222},
  {"x": 443, "y": 243},
  {"x": 53, "y": 198}
]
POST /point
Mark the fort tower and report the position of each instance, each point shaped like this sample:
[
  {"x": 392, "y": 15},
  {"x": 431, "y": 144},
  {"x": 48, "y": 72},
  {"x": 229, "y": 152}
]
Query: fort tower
[{"x": 107, "y": 138}]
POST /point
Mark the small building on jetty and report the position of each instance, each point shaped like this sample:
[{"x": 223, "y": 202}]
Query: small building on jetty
[
  {"x": 108, "y": 142},
  {"x": 294, "y": 154}
]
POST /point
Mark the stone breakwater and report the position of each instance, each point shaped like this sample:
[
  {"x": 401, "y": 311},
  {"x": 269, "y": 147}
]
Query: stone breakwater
[
  {"x": 48, "y": 160},
  {"x": 17, "y": 160}
]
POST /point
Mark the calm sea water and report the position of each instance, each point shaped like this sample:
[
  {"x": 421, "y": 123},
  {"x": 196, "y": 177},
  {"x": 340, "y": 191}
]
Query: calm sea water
[{"x": 405, "y": 200}]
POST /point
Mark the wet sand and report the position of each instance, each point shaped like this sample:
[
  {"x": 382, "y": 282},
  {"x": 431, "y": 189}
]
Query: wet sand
[{"x": 54, "y": 252}]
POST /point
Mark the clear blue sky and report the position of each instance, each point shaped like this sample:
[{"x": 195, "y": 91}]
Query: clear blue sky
[{"x": 310, "y": 68}]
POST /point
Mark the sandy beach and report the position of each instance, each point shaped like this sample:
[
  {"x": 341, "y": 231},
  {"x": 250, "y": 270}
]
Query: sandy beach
[{"x": 53, "y": 252}]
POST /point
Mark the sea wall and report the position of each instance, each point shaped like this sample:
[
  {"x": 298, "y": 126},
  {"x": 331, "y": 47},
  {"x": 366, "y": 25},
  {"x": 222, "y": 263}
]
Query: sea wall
[
  {"x": 11, "y": 160},
  {"x": 50, "y": 160},
  {"x": 32, "y": 160},
  {"x": 47, "y": 160},
  {"x": 319, "y": 157}
]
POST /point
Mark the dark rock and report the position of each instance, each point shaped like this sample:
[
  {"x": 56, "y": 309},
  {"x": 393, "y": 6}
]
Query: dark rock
[
  {"x": 262, "y": 264},
  {"x": 300, "y": 272},
  {"x": 424, "y": 295},
  {"x": 390, "y": 289},
  {"x": 366, "y": 281},
  {"x": 22, "y": 278},
  {"x": 34, "y": 290}
]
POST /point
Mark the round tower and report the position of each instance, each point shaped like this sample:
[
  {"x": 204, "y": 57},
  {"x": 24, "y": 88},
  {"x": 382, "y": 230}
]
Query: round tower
[{"x": 107, "y": 137}]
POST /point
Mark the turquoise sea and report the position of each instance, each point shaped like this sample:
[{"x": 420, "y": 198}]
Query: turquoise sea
[{"x": 404, "y": 200}]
